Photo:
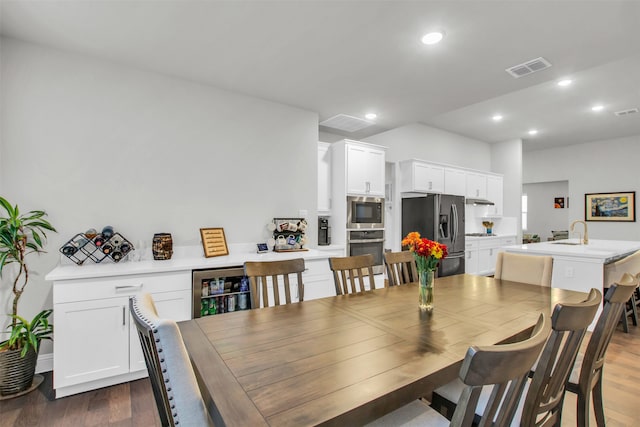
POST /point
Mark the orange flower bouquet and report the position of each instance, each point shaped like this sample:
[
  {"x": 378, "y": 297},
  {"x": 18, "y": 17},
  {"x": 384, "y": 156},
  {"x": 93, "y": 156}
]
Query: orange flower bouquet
[{"x": 427, "y": 254}]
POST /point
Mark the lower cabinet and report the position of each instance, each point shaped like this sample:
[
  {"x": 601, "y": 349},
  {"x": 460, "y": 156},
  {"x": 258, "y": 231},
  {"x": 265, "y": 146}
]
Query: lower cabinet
[
  {"x": 96, "y": 343},
  {"x": 481, "y": 254}
]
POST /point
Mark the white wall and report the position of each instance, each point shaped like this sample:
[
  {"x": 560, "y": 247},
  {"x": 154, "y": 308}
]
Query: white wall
[
  {"x": 596, "y": 167},
  {"x": 542, "y": 216},
  {"x": 418, "y": 141},
  {"x": 96, "y": 143}
]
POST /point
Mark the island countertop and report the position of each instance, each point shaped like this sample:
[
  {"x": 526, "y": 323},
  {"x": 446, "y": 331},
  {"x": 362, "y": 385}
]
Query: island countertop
[{"x": 600, "y": 251}]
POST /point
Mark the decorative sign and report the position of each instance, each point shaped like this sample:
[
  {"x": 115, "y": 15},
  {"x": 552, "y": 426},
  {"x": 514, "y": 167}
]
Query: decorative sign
[
  {"x": 610, "y": 206},
  {"x": 214, "y": 242}
]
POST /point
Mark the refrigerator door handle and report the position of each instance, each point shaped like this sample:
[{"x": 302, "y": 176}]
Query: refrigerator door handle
[{"x": 454, "y": 214}]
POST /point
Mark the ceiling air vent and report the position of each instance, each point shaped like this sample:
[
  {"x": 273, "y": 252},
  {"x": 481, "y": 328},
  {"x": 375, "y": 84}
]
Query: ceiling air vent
[
  {"x": 346, "y": 123},
  {"x": 626, "y": 112},
  {"x": 528, "y": 67}
]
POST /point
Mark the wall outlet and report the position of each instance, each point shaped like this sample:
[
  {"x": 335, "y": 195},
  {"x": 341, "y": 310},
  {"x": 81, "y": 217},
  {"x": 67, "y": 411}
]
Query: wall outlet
[
  {"x": 568, "y": 272},
  {"x": 303, "y": 213}
]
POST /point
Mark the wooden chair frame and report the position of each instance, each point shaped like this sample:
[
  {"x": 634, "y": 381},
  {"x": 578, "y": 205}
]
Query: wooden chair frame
[
  {"x": 589, "y": 385},
  {"x": 349, "y": 273},
  {"x": 401, "y": 267},
  {"x": 258, "y": 272}
]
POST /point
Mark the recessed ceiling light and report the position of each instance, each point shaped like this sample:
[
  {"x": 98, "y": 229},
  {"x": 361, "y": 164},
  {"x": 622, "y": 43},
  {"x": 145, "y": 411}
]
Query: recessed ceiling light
[
  {"x": 433, "y": 37},
  {"x": 497, "y": 118},
  {"x": 597, "y": 108},
  {"x": 565, "y": 82},
  {"x": 533, "y": 132},
  {"x": 370, "y": 116}
]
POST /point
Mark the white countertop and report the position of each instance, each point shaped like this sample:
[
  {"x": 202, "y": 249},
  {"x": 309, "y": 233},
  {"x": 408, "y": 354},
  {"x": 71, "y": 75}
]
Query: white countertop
[
  {"x": 492, "y": 237},
  {"x": 602, "y": 251},
  {"x": 184, "y": 258}
]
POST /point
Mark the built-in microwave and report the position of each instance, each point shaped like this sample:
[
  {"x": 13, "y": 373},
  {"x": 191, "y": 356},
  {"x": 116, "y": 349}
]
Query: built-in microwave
[{"x": 365, "y": 212}]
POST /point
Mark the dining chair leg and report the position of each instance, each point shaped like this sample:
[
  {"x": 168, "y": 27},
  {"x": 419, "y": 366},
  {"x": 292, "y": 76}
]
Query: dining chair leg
[
  {"x": 583, "y": 408},
  {"x": 634, "y": 310},
  {"x": 598, "y": 403}
]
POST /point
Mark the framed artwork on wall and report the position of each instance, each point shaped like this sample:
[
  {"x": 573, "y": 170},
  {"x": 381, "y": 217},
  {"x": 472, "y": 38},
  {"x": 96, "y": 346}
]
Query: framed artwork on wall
[
  {"x": 610, "y": 206},
  {"x": 558, "y": 202}
]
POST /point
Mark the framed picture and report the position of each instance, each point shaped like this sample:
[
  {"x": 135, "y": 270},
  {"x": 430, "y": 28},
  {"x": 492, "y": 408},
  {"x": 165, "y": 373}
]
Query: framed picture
[
  {"x": 558, "y": 202},
  {"x": 610, "y": 206},
  {"x": 214, "y": 242}
]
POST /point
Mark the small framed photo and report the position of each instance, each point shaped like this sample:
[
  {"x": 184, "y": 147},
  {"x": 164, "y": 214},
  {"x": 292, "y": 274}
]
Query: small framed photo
[
  {"x": 214, "y": 242},
  {"x": 558, "y": 202},
  {"x": 611, "y": 207}
]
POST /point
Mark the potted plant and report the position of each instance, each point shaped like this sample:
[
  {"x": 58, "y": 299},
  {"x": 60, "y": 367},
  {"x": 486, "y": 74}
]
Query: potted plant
[{"x": 21, "y": 235}]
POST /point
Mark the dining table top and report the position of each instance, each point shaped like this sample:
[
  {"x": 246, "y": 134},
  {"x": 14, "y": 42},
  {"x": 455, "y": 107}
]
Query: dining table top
[{"x": 350, "y": 359}]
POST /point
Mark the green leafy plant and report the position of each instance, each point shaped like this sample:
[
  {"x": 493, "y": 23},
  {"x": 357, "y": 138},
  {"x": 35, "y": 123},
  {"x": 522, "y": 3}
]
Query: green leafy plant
[
  {"x": 27, "y": 334},
  {"x": 21, "y": 235}
]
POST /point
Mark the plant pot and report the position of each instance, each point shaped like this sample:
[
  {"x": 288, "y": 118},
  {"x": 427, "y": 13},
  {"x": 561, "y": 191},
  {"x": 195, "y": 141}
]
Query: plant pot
[{"x": 16, "y": 373}]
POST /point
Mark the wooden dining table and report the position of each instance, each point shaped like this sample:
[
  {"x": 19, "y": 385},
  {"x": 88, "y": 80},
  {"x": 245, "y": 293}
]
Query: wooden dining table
[{"x": 349, "y": 359}]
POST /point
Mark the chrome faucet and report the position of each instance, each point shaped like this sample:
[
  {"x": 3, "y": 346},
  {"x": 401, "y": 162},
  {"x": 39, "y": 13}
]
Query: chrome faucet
[{"x": 586, "y": 233}]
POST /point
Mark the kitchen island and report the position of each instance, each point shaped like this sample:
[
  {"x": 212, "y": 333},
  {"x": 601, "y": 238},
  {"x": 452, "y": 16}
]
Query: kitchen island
[{"x": 576, "y": 266}]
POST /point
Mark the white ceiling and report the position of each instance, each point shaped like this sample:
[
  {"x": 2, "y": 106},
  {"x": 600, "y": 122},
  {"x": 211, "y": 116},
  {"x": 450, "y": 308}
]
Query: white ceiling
[{"x": 352, "y": 57}]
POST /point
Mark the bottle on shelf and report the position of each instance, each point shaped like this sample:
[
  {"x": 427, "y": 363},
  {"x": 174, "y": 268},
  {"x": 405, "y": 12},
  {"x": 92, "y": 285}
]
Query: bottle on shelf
[
  {"x": 116, "y": 256},
  {"x": 98, "y": 241},
  {"x": 107, "y": 232},
  {"x": 107, "y": 249},
  {"x": 69, "y": 250}
]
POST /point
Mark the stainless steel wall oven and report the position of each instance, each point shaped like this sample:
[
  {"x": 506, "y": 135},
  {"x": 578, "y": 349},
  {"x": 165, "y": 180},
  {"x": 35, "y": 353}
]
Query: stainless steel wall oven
[{"x": 363, "y": 242}]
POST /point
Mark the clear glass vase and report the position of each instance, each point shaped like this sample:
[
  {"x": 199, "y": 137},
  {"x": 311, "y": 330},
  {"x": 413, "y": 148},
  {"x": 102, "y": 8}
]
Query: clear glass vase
[{"x": 425, "y": 290}]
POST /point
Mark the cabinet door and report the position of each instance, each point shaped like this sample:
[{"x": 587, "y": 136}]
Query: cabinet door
[
  {"x": 455, "y": 182},
  {"x": 375, "y": 172},
  {"x": 487, "y": 260},
  {"x": 428, "y": 178},
  {"x": 324, "y": 179},
  {"x": 170, "y": 305},
  {"x": 91, "y": 340},
  {"x": 357, "y": 158},
  {"x": 365, "y": 170},
  {"x": 476, "y": 185},
  {"x": 471, "y": 262},
  {"x": 495, "y": 194}
]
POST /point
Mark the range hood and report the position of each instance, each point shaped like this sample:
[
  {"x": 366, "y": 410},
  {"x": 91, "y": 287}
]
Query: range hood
[{"x": 479, "y": 202}]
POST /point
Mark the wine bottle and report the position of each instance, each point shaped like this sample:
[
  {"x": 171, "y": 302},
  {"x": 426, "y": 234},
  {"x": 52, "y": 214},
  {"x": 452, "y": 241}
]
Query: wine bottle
[
  {"x": 98, "y": 241},
  {"x": 107, "y": 232},
  {"x": 107, "y": 249},
  {"x": 69, "y": 250},
  {"x": 116, "y": 256}
]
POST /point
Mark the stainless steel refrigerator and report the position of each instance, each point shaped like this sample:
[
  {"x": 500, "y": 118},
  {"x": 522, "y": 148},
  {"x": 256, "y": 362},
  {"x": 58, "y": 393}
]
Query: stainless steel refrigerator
[{"x": 438, "y": 217}]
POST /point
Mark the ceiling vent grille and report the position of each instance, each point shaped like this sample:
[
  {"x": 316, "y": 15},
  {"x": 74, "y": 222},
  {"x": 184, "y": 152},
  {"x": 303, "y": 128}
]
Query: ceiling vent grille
[
  {"x": 528, "y": 67},
  {"x": 346, "y": 123},
  {"x": 626, "y": 112}
]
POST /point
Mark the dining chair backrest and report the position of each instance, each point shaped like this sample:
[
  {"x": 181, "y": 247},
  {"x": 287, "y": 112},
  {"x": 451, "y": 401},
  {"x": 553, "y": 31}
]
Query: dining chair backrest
[
  {"x": 589, "y": 378},
  {"x": 349, "y": 273},
  {"x": 259, "y": 272},
  {"x": 173, "y": 381},
  {"x": 401, "y": 267},
  {"x": 503, "y": 368},
  {"x": 531, "y": 269},
  {"x": 545, "y": 396}
]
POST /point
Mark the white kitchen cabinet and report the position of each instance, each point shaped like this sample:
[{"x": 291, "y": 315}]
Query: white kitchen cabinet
[
  {"x": 421, "y": 177},
  {"x": 324, "y": 178},
  {"x": 495, "y": 194},
  {"x": 487, "y": 256},
  {"x": 476, "y": 185},
  {"x": 471, "y": 263},
  {"x": 365, "y": 170},
  {"x": 95, "y": 343},
  {"x": 455, "y": 181}
]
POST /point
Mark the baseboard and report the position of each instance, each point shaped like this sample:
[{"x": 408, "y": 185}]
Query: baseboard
[{"x": 45, "y": 363}]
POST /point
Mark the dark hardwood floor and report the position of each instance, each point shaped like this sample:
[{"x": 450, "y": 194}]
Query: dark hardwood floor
[{"x": 132, "y": 404}]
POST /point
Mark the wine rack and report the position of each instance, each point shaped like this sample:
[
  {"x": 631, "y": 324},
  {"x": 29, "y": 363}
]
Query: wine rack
[{"x": 81, "y": 248}]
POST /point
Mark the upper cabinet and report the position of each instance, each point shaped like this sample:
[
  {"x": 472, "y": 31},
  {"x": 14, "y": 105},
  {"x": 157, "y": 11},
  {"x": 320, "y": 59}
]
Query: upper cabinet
[
  {"x": 476, "y": 185},
  {"x": 455, "y": 181},
  {"x": 365, "y": 165},
  {"x": 421, "y": 177},
  {"x": 495, "y": 194},
  {"x": 324, "y": 178}
]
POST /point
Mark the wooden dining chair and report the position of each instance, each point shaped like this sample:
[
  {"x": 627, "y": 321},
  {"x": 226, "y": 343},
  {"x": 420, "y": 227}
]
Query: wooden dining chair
[
  {"x": 173, "y": 381},
  {"x": 586, "y": 378},
  {"x": 531, "y": 269},
  {"x": 612, "y": 273},
  {"x": 501, "y": 368},
  {"x": 401, "y": 267},
  {"x": 260, "y": 272},
  {"x": 541, "y": 404},
  {"x": 349, "y": 273}
]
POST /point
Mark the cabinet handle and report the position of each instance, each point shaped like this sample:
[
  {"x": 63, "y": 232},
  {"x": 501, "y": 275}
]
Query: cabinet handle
[
  {"x": 124, "y": 309},
  {"x": 119, "y": 288},
  {"x": 430, "y": 185},
  {"x": 368, "y": 187}
]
